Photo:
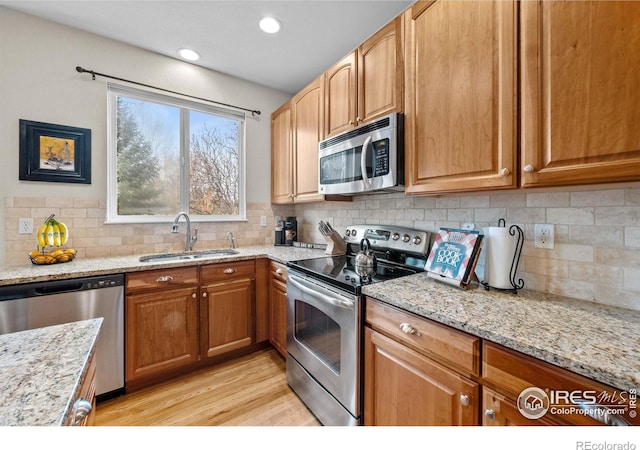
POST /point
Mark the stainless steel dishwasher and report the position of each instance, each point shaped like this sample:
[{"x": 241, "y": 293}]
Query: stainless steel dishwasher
[{"x": 35, "y": 305}]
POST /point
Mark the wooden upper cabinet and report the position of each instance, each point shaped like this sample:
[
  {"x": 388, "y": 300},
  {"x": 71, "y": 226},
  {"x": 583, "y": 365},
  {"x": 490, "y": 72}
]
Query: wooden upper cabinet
[
  {"x": 460, "y": 96},
  {"x": 580, "y": 86},
  {"x": 281, "y": 155},
  {"x": 307, "y": 118},
  {"x": 381, "y": 73},
  {"x": 367, "y": 83},
  {"x": 340, "y": 87}
]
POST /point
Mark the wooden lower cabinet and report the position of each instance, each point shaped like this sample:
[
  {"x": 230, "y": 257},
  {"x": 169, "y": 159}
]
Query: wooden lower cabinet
[
  {"x": 88, "y": 392},
  {"x": 278, "y": 308},
  {"x": 403, "y": 387},
  {"x": 511, "y": 372},
  {"x": 226, "y": 313},
  {"x": 179, "y": 319},
  {"x": 161, "y": 332},
  {"x": 498, "y": 410}
]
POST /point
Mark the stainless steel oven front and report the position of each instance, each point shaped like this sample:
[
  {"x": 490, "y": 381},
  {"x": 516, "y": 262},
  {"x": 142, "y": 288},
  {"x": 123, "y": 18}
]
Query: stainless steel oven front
[{"x": 323, "y": 340}]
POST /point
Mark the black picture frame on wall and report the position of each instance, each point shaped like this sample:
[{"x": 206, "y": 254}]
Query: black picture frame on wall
[{"x": 54, "y": 153}]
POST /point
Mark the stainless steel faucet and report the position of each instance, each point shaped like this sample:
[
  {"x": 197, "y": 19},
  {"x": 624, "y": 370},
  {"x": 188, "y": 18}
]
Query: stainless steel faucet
[
  {"x": 191, "y": 240},
  {"x": 232, "y": 243}
]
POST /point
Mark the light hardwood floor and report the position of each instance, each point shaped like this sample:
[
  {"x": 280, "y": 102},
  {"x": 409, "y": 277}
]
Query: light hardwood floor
[{"x": 251, "y": 390}]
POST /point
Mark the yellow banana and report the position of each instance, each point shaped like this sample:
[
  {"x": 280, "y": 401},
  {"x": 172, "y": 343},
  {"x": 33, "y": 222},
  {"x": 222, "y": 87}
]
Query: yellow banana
[
  {"x": 56, "y": 233},
  {"x": 64, "y": 233},
  {"x": 42, "y": 235},
  {"x": 49, "y": 239}
]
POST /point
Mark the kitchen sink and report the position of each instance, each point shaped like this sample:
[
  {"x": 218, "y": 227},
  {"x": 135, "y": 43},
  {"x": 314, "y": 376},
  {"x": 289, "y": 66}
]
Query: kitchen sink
[{"x": 182, "y": 256}]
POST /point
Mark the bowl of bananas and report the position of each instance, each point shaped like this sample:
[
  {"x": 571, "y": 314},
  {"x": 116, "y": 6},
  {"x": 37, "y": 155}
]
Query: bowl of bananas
[{"x": 52, "y": 235}]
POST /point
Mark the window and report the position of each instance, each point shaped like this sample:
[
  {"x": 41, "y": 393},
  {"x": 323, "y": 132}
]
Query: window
[{"x": 167, "y": 155}]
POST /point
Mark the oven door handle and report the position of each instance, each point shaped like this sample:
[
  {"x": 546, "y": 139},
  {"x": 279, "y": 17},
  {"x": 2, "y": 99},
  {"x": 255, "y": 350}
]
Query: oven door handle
[
  {"x": 363, "y": 162},
  {"x": 320, "y": 292}
]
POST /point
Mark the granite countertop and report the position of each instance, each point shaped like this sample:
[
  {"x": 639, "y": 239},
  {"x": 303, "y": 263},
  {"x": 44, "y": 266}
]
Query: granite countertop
[
  {"x": 80, "y": 267},
  {"x": 42, "y": 371},
  {"x": 597, "y": 341}
]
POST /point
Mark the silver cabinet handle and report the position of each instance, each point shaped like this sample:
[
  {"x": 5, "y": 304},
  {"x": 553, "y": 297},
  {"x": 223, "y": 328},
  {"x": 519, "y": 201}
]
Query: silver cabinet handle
[
  {"x": 529, "y": 168},
  {"x": 464, "y": 400},
  {"x": 193, "y": 295},
  {"x": 490, "y": 414},
  {"x": 504, "y": 172},
  {"x": 204, "y": 294},
  {"x": 279, "y": 271},
  {"x": 164, "y": 279},
  {"x": 229, "y": 270},
  {"x": 408, "y": 329},
  {"x": 81, "y": 409}
]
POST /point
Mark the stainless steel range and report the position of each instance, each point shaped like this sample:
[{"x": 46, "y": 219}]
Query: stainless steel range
[{"x": 325, "y": 315}]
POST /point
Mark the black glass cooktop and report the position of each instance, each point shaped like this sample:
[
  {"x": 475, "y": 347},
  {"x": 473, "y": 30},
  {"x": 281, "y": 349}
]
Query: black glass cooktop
[{"x": 340, "y": 271}]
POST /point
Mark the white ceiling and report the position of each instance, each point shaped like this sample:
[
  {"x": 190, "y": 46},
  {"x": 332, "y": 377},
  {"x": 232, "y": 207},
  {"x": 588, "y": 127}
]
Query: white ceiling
[{"x": 315, "y": 33}]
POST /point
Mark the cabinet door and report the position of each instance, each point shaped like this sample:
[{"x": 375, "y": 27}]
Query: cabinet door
[
  {"x": 281, "y": 157},
  {"x": 307, "y": 111},
  {"x": 227, "y": 316},
  {"x": 501, "y": 411},
  {"x": 381, "y": 73},
  {"x": 460, "y": 96},
  {"x": 340, "y": 94},
  {"x": 580, "y": 92},
  {"x": 88, "y": 392},
  {"x": 162, "y": 331},
  {"x": 402, "y": 387},
  {"x": 278, "y": 308}
]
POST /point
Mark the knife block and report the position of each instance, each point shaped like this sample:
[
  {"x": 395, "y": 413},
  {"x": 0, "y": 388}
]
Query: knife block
[{"x": 335, "y": 244}]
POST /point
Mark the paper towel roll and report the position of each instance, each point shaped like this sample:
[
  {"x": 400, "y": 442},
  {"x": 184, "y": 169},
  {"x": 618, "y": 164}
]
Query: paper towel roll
[{"x": 500, "y": 247}]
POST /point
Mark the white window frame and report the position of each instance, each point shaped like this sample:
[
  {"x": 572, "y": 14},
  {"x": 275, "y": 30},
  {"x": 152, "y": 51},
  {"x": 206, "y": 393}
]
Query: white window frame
[{"x": 112, "y": 216}]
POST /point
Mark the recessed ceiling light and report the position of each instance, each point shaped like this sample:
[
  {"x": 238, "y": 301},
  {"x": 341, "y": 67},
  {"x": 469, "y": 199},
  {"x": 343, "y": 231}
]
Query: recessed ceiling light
[
  {"x": 189, "y": 54},
  {"x": 269, "y": 25}
]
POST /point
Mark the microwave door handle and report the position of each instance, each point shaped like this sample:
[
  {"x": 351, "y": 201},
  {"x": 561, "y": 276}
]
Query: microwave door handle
[
  {"x": 363, "y": 162},
  {"x": 319, "y": 292}
]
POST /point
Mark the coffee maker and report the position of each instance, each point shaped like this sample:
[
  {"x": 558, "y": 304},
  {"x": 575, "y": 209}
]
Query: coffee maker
[
  {"x": 290, "y": 230},
  {"x": 279, "y": 235}
]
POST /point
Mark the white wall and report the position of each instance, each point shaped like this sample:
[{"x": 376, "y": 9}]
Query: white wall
[{"x": 38, "y": 81}]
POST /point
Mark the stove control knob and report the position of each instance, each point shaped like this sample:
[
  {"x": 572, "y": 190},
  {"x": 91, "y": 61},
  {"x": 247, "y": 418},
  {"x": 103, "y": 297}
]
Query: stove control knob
[
  {"x": 417, "y": 240},
  {"x": 395, "y": 236},
  {"x": 348, "y": 232},
  {"x": 406, "y": 238},
  {"x": 354, "y": 232}
]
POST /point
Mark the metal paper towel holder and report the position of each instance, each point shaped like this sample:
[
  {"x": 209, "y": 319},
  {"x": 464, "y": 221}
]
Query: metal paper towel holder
[{"x": 517, "y": 284}]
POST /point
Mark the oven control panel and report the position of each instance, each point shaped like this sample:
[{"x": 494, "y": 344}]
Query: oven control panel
[{"x": 384, "y": 237}]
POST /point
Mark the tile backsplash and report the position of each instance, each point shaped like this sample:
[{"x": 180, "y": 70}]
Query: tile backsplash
[
  {"x": 92, "y": 238},
  {"x": 597, "y": 232}
]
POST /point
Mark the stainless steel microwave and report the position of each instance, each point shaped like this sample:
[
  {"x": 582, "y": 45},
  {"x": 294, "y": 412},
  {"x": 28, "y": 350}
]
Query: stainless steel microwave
[{"x": 366, "y": 159}]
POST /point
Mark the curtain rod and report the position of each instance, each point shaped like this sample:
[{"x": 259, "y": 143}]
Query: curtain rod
[{"x": 93, "y": 73}]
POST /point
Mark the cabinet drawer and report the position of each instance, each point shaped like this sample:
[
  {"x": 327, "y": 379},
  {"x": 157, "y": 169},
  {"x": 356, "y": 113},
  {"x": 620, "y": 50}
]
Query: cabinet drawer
[
  {"x": 278, "y": 272},
  {"x": 225, "y": 271},
  {"x": 451, "y": 347},
  {"x": 161, "y": 278},
  {"x": 511, "y": 372}
]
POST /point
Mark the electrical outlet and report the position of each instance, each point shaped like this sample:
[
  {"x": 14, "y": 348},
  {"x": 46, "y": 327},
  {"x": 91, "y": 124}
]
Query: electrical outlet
[
  {"x": 263, "y": 221},
  {"x": 544, "y": 237},
  {"x": 25, "y": 226}
]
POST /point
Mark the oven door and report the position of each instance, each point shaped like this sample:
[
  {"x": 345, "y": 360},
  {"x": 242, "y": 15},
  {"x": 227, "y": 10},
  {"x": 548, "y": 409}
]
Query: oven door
[{"x": 323, "y": 337}]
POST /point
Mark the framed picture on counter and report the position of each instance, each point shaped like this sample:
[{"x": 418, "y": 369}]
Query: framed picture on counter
[{"x": 57, "y": 153}]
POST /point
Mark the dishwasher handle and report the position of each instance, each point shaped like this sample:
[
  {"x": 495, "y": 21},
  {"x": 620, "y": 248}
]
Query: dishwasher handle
[{"x": 48, "y": 290}]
